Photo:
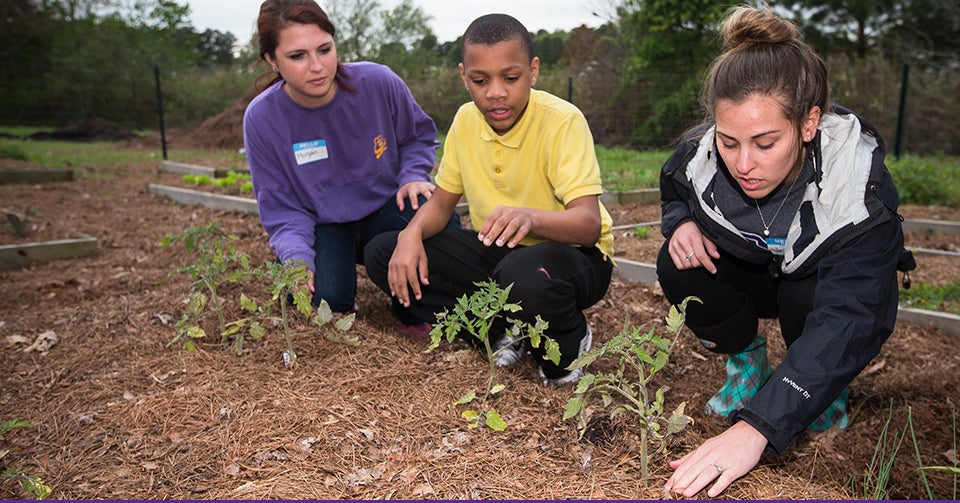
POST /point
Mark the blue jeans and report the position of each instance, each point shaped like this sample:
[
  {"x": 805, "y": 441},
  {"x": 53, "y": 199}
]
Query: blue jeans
[{"x": 339, "y": 247}]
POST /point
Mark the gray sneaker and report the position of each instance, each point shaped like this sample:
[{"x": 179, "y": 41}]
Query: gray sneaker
[
  {"x": 574, "y": 375},
  {"x": 508, "y": 351}
]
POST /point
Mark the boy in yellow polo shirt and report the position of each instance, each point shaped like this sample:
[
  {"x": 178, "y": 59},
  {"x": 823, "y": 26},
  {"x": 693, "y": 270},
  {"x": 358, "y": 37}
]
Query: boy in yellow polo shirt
[{"x": 525, "y": 161}]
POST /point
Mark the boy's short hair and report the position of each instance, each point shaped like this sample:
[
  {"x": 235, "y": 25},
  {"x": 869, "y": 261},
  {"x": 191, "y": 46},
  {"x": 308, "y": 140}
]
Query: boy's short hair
[{"x": 492, "y": 29}]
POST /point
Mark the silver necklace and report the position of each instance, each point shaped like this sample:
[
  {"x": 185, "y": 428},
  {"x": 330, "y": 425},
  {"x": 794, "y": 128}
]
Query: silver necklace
[{"x": 766, "y": 227}]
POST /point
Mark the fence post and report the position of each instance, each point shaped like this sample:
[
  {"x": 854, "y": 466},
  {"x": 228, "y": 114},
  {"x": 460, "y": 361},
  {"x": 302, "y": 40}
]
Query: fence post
[
  {"x": 902, "y": 111},
  {"x": 570, "y": 89},
  {"x": 163, "y": 131}
]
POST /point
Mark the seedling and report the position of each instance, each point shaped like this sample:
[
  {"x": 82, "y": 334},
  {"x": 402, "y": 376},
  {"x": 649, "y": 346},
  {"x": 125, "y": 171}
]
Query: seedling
[
  {"x": 19, "y": 223},
  {"x": 475, "y": 315},
  {"x": 287, "y": 281},
  {"x": 216, "y": 262},
  {"x": 641, "y": 356},
  {"x": 641, "y": 231},
  {"x": 30, "y": 483},
  {"x": 232, "y": 179}
]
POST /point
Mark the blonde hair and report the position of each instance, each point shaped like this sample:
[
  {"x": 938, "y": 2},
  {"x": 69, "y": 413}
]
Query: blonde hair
[{"x": 764, "y": 55}]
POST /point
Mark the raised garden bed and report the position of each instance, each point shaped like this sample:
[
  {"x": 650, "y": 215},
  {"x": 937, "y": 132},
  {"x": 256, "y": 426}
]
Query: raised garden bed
[
  {"x": 22, "y": 255},
  {"x": 203, "y": 198}
]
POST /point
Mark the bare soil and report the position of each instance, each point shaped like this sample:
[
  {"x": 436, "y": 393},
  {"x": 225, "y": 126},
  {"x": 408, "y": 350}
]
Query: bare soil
[{"x": 117, "y": 413}]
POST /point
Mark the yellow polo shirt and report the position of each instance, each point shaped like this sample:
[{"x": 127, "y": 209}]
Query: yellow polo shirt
[{"x": 545, "y": 161}]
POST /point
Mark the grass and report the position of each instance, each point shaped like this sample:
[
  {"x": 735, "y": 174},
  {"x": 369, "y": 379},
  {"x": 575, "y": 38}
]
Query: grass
[
  {"x": 68, "y": 154},
  {"x": 944, "y": 298}
]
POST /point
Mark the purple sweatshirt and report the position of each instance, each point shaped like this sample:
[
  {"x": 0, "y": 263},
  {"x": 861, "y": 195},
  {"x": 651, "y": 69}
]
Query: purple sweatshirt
[{"x": 336, "y": 163}]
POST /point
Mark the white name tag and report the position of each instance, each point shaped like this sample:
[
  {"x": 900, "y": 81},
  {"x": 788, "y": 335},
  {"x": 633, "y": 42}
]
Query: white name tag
[{"x": 310, "y": 151}]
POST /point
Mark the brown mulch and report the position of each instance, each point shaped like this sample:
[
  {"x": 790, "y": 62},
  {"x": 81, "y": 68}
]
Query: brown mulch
[{"x": 117, "y": 413}]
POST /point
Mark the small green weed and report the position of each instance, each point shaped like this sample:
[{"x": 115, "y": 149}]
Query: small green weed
[
  {"x": 19, "y": 223},
  {"x": 641, "y": 231},
  {"x": 475, "y": 315},
  {"x": 30, "y": 483},
  {"x": 640, "y": 355}
]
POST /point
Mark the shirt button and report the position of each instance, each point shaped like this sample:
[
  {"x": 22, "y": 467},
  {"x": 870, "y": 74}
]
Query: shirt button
[{"x": 496, "y": 170}]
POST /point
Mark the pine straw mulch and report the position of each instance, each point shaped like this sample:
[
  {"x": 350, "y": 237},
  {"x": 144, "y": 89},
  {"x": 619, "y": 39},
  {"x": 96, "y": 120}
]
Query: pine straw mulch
[{"x": 117, "y": 414}]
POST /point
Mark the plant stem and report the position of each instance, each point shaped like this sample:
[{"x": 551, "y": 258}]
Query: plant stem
[
  {"x": 215, "y": 299},
  {"x": 286, "y": 330}
]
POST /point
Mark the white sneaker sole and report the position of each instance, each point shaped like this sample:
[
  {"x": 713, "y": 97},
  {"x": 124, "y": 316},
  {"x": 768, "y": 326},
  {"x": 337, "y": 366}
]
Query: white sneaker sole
[
  {"x": 574, "y": 375},
  {"x": 507, "y": 352}
]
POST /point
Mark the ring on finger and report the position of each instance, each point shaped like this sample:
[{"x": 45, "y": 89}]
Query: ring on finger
[
  {"x": 718, "y": 467},
  {"x": 687, "y": 258}
]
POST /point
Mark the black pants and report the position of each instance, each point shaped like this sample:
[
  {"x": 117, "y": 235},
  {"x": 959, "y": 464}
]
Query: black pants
[
  {"x": 734, "y": 299},
  {"x": 555, "y": 281}
]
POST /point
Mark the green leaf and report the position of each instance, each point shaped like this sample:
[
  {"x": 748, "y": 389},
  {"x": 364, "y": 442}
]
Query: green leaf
[
  {"x": 472, "y": 417},
  {"x": 607, "y": 399},
  {"x": 194, "y": 332},
  {"x": 35, "y": 486},
  {"x": 496, "y": 389},
  {"x": 586, "y": 359},
  {"x": 6, "y": 426},
  {"x": 344, "y": 323},
  {"x": 324, "y": 314},
  {"x": 302, "y": 301},
  {"x": 494, "y": 421},
  {"x": 573, "y": 407},
  {"x": 248, "y": 304},
  {"x": 553, "y": 350},
  {"x": 678, "y": 420},
  {"x": 585, "y": 382},
  {"x": 465, "y": 399},
  {"x": 257, "y": 331}
]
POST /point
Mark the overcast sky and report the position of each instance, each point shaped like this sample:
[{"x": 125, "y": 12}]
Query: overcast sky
[{"x": 449, "y": 17}]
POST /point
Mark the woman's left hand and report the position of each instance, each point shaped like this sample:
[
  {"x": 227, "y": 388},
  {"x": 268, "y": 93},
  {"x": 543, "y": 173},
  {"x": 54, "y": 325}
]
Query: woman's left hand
[
  {"x": 725, "y": 457},
  {"x": 412, "y": 191}
]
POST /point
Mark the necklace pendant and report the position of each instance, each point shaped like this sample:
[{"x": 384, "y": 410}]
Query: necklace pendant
[{"x": 766, "y": 231}]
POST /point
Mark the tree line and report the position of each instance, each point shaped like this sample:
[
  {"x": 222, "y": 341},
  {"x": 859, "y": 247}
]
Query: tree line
[{"x": 636, "y": 76}]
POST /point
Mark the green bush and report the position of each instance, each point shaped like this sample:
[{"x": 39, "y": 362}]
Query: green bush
[{"x": 927, "y": 180}]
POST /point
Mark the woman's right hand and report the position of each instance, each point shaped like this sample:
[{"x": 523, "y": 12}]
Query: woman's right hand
[
  {"x": 689, "y": 248},
  {"x": 724, "y": 458},
  {"x": 408, "y": 267}
]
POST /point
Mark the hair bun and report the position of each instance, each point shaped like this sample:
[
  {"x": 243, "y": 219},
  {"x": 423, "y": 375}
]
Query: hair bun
[{"x": 747, "y": 26}]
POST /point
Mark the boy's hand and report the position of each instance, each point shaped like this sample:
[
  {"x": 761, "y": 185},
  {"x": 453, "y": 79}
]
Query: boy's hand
[
  {"x": 505, "y": 226},
  {"x": 407, "y": 268}
]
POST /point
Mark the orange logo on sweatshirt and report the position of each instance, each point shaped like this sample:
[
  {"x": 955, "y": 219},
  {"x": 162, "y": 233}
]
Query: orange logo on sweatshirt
[{"x": 379, "y": 145}]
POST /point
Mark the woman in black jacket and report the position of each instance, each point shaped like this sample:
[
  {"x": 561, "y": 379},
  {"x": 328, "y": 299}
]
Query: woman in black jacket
[{"x": 779, "y": 206}]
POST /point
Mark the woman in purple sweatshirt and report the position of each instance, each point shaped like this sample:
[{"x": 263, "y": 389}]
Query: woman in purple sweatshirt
[{"x": 338, "y": 152}]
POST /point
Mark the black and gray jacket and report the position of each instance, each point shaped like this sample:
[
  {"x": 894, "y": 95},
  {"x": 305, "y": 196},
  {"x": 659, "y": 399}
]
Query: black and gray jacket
[{"x": 846, "y": 231}]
